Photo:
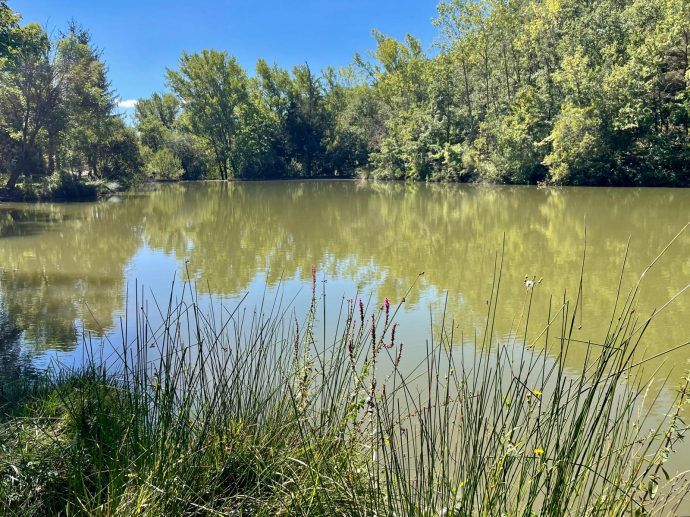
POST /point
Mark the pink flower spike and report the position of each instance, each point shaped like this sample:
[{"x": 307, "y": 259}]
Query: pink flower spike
[{"x": 392, "y": 337}]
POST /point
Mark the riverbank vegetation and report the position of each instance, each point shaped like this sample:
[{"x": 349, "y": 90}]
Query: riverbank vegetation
[
  {"x": 514, "y": 91},
  {"x": 215, "y": 410},
  {"x": 58, "y": 130}
]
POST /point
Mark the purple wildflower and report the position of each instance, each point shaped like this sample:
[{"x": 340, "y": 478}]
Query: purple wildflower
[
  {"x": 397, "y": 359},
  {"x": 373, "y": 333},
  {"x": 392, "y": 344}
]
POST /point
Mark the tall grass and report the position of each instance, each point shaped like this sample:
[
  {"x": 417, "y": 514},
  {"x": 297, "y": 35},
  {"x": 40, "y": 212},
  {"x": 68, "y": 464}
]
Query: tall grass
[{"x": 211, "y": 411}]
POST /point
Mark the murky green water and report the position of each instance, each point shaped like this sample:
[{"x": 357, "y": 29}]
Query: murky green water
[{"x": 69, "y": 268}]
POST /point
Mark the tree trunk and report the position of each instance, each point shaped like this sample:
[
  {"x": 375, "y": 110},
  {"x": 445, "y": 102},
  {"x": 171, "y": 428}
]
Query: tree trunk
[
  {"x": 507, "y": 73},
  {"x": 13, "y": 179},
  {"x": 22, "y": 167},
  {"x": 51, "y": 155},
  {"x": 467, "y": 94}
]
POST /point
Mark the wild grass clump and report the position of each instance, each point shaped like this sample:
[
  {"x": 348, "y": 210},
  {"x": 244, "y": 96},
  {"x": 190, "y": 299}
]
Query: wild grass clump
[{"x": 212, "y": 411}]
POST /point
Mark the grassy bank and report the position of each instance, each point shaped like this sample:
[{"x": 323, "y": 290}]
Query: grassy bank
[
  {"x": 217, "y": 411},
  {"x": 58, "y": 187}
]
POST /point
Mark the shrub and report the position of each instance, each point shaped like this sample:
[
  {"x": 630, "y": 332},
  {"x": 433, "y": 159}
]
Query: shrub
[{"x": 165, "y": 165}]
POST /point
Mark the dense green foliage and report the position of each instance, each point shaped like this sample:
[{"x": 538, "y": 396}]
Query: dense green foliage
[
  {"x": 57, "y": 117},
  {"x": 540, "y": 90},
  {"x": 221, "y": 123},
  {"x": 516, "y": 91}
]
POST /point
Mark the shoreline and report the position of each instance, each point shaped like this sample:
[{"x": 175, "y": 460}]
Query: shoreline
[{"x": 6, "y": 197}]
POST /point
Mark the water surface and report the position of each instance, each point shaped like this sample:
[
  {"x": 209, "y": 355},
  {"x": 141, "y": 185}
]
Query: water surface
[{"x": 70, "y": 269}]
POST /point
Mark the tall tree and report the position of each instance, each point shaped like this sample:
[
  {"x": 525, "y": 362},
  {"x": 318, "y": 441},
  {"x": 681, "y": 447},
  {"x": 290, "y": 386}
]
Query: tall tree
[
  {"x": 214, "y": 90},
  {"x": 49, "y": 89},
  {"x": 31, "y": 89},
  {"x": 306, "y": 124}
]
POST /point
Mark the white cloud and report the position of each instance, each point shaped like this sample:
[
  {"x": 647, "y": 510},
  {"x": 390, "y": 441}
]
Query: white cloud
[{"x": 127, "y": 104}]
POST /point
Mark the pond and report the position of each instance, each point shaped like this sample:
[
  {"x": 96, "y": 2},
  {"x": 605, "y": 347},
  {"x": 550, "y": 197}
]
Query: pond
[
  {"x": 69, "y": 271},
  {"x": 66, "y": 268}
]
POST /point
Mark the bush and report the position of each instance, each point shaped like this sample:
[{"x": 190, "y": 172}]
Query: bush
[
  {"x": 61, "y": 185},
  {"x": 455, "y": 162},
  {"x": 65, "y": 185},
  {"x": 165, "y": 165},
  {"x": 193, "y": 158},
  {"x": 121, "y": 159}
]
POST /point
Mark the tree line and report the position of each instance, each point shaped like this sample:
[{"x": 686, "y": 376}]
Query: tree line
[
  {"x": 57, "y": 118},
  {"x": 217, "y": 121},
  {"x": 587, "y": 92}
]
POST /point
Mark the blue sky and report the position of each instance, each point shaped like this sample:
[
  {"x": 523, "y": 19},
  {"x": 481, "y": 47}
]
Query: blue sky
[{"x": 142, "y": 37}]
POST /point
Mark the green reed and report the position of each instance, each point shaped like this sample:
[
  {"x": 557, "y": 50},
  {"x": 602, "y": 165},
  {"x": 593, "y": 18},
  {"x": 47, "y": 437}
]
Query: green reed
[{"x": 213, "y": 411}]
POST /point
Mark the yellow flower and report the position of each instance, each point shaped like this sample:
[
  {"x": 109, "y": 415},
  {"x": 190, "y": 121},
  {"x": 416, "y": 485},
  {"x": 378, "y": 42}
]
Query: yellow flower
[
  {"x": 538, "y": 451},
  {"x": 537, "y": 393}
]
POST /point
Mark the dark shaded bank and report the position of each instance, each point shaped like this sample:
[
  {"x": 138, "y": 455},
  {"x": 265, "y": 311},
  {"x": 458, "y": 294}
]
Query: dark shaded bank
[
  {"x": 61, "y": 188},
  {"x": 215, "y": 411},
  {"x": 70, "y": 188}
]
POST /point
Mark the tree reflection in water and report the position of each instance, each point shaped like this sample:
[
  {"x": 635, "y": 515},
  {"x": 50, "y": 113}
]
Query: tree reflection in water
[{"x": 66, "y": 265}]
